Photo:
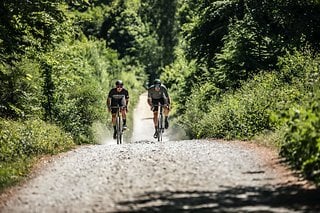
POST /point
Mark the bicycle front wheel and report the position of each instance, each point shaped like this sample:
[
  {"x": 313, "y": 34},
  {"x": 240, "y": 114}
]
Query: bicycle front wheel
[
  {"x": 160, "y": 128},
  {"x": 119, "y": 130}
]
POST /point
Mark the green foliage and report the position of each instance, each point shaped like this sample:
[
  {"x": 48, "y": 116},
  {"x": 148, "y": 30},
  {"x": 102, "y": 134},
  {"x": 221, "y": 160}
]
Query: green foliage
[
  {"x": 244, "y": 113},
  {"x": 90, "y": 18},
  {"x": 246, "y": 51},
  {"x": 299, "y": 66},
  {"x": 122, "y": 28},
  {"x": 55, "y": 75},
  {"x": 144, "y": 30},
  {"x": 78, "y": 73},
  {"x": 285, "y": 102},
  {"x": 30, "y": 138},
  {"x": 205, "y": 32},
  {"x": 20, "y": 90},
  {"x": 25, "y": 25},
  {"x": 299, "y": 26},
  {"x": 21, "y": 141},
  {"x": 12, "y": 172},
  {"x": 301, "y": 143},
  {"x": 237, "y": 115},
  {"x": 197, "y": 106},
  {"x": 234, "y": 40},
  {"x": 179, "y": 82},
  {"x": 161, "y": 17}
]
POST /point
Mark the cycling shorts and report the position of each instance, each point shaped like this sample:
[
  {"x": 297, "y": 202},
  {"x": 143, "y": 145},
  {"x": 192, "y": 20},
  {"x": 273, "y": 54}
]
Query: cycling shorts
[
  {"x": 156, "y": 102},
  {"x": 115, "y": 103}
]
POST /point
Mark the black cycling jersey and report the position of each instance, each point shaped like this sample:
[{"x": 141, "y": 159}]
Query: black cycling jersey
[{"x": 118, "y": 97}]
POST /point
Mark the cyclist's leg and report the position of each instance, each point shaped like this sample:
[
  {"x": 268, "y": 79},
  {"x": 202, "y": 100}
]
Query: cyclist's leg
[
  {"x": 155, "y": 123},
  {"x": 155, "y": 102},
  {"x": 166, "y": 113},
  {"x": 123, "y": 112},
  {"x": 166, "y": 121},
  {"x": 114, "y": 123},
  {"x": 124, "y": 118}
]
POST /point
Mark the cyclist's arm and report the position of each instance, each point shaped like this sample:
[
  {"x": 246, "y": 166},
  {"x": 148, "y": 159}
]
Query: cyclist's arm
[
  {"x": 149, "y": 101},
  {"x": 127, "y": 103},
  {"x": 126, "y": 98},
  {"x": 149, "y": 98},
  {"x": 109, "y": 99},
  {"x": 167, "y": 95},
  {"x": 109, "y": 103},
  {"x": 169, "y": 100}
]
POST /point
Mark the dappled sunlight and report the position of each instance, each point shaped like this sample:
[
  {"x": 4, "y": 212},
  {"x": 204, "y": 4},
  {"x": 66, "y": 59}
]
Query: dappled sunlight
[{"x": 277, "y": 198}]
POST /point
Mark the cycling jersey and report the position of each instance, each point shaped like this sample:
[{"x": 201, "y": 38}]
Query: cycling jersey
[
  {"x": 118, "y": 98},
  {"x": 162, "y": 93},
  {"x": 157, "y": 97}
]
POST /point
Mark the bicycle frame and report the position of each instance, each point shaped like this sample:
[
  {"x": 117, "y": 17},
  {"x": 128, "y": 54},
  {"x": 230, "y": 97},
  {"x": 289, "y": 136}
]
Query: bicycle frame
[
  {"x": 160, "y": 125},
  {"x": 119, "y": 128}
]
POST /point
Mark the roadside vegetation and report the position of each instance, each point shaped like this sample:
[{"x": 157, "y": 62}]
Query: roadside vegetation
[
  {"x": 248, "y": 68},
  {"x": 251, "y": 72}
]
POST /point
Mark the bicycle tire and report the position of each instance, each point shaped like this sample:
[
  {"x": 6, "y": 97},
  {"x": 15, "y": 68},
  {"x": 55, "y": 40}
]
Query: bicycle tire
[
  {"x": 160, "y": 125},
  {"x": 119, "y": 129},
  {"x": 158, "y": 131}
]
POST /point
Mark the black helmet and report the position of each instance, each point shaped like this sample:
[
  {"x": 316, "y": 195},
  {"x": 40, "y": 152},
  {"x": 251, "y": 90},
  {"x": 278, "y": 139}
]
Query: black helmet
[
  {"x": 119, "y": 82},
  {"x": 157, "y": 81}
]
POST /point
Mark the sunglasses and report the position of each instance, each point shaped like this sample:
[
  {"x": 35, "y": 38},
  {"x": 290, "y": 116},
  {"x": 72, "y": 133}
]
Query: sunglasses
[{"x": 119, "y": 86}]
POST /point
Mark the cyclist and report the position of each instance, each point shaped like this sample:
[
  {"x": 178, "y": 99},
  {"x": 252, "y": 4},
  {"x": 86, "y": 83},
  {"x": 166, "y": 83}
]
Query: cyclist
[
  {"x": 158, "y": 93},
  {"x": 118, "y": 96}
]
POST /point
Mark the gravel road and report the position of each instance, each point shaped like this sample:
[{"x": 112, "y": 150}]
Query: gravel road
[{"x": 143, "y": 175}]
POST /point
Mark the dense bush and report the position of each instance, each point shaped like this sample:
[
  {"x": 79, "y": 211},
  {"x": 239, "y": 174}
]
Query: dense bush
[
  {"x": 301, "y": 145},
  {"x": 240, "y": 114},
  {"x": 20, "y": 142},
  {"x": 25, "y": 99},
  {"x": 54, "y": 69},
  {"x": 31, "y": 137}
]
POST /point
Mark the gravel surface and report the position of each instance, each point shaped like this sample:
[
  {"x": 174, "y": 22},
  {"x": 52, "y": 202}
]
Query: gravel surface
[{"x": 172, "y": 176}]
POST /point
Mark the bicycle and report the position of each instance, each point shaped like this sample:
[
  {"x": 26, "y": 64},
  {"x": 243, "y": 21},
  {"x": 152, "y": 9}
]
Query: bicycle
[
  {"x": 160, "y": 123},
  {"x": 119, "y": 125}
]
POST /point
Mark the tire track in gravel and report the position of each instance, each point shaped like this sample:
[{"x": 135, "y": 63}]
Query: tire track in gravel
[{"x": 172, "y": 176}]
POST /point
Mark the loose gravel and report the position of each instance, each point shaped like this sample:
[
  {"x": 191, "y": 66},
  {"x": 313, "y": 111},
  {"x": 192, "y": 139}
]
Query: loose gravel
[{"x": 146, "y": 176}]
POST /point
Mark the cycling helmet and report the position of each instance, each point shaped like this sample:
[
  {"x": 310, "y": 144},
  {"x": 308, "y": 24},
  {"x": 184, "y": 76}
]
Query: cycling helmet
[
  {"x": 119, "y": 82},
  {"x": 157, "y": 81}
]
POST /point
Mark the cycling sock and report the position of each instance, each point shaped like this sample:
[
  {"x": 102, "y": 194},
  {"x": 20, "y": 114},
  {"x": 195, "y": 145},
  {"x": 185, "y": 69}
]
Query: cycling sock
[
  {"x": 124, "y": 121},
  {"x": 166, "y": 118},
  {"x": 114, "y": 128}
]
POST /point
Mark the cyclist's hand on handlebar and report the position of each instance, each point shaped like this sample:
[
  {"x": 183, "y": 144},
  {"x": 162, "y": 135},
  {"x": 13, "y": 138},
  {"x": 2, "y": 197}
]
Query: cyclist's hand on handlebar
[{"x": 151, "y": 108}]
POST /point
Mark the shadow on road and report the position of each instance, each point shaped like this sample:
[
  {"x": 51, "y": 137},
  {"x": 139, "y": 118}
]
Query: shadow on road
[{"x": 237, "y": 199}]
